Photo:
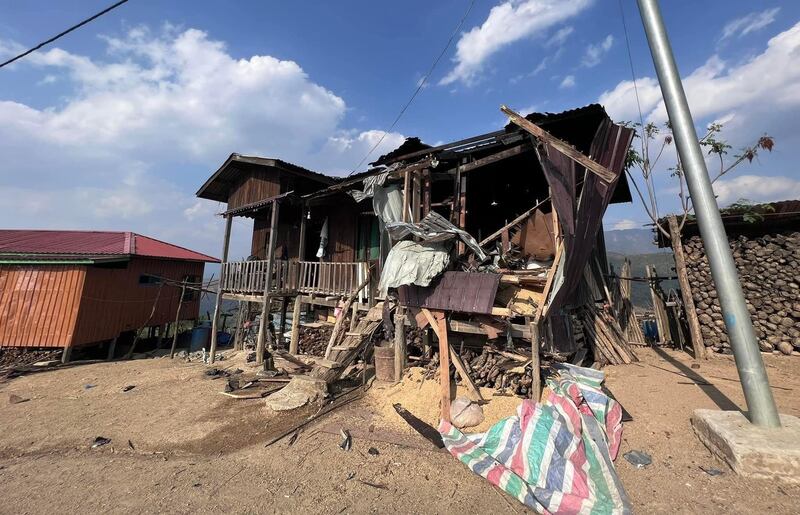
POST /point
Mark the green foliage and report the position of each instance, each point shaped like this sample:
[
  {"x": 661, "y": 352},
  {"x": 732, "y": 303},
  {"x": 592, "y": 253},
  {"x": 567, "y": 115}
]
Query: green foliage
[{"x": 750, "y": 212}]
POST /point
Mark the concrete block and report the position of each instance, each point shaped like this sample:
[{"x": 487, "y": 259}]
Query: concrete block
[{"x": 751, "y": 451}]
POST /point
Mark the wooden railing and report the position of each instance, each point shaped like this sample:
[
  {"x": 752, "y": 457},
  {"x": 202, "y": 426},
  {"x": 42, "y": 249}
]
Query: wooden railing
[{"x": 308, "y": 277}]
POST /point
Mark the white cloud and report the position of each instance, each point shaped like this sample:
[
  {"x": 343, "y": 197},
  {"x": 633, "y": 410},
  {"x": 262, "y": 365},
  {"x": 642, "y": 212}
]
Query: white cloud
[
  {"x": 131, "y": 138},
  {"x": 756, "y": 188},
  {"x": 567, "y": 82},
  {"x": 594, "y": 53},
  {"x": 765, "y": 84},
  {"x": 624, "y": 224},
  {"x": 560, "y": 37},
  {"x": 507, "y": 23},
  {"x": 749, "y": 23}
]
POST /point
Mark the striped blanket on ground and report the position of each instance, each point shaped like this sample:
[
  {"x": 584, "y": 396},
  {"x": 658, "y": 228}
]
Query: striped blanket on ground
[{"x": 554, "y": 456}]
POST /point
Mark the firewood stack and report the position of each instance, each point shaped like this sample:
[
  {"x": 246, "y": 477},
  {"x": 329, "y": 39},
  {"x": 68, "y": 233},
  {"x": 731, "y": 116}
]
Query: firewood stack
[
  {"x": 769, "y": 271},
  {"x": 491, "y": 368},
  {"x": 314, "y": 340}
]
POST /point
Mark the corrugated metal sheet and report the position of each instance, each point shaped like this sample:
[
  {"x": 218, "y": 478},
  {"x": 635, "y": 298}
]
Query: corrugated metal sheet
[
  {"x": 31, "y": 243},
  {"x": 456, "y": 291},
  {"x": 39, "y": 305}
]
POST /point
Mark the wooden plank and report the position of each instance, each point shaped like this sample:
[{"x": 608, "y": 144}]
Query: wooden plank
[
  {"x": 686, "y": 290},
  {"x": 560, "y": 145},
  {"x": 399, "y": 343},
  {"x": 465, "y": 377},
  {"x": 541, "y": 311}
]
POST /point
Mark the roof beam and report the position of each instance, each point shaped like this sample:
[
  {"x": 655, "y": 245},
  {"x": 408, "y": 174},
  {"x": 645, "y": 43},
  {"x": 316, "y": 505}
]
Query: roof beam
[{"x": 560, "y": 145}]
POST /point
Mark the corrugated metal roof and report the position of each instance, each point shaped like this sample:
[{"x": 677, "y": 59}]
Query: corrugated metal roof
[
  {"x": 33, "y": 243},
  {"x": 455, "y": 291}
]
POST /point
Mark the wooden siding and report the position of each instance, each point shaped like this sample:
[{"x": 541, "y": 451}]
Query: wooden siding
[
  {"x": 59, "y": 305},
  {"x": 254, "y": 185},
  {"x": 39, "y": 304},
  {"x": 342, "y": 224},
  {"x": 114, "y": 301}
]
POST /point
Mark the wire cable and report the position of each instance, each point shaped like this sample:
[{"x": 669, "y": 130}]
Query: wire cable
[
  {"x": 419, "y": 87},
  {"x": 64, "y": 33}
]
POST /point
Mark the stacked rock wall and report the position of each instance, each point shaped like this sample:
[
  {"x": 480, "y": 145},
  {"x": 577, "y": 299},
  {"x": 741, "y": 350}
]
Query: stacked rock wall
[{"x": 769, "y": 270}]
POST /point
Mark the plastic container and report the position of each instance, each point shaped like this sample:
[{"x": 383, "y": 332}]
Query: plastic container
[
  {"x": 201, "y": 338},
  {"x": 384, "y": 363}
]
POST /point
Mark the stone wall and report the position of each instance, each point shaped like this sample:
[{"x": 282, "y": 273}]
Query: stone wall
[{"x": 769, "y": 270}]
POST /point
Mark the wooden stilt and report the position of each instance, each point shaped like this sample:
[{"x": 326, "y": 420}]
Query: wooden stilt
[
  {"x": 536, "y": 371},
  {"x": 444, "y": 365},
  {"x": 399, "y": 343},
  {"x": 112, "y": 347},
  {"x": 162, "y": 330},
  {"x": 262, "y": 327},
  {"x": 294, "y": 342},
  {"x": 237, "y": 330},
  {"x": 177, "y": 321},
  {"x": 67, "y": 354},
  {"x": 218, "y": 303},
  {"x": 282, "y": 325}
]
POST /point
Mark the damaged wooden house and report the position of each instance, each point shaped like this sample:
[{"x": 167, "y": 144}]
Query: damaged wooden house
[{"x": 495, "y": 238}]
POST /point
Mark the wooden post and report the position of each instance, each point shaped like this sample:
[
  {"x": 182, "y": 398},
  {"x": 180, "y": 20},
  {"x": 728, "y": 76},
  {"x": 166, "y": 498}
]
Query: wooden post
[
  {"x": 659, "y": 309},
  {"x": 294, "y": 342},
  {"x": 416, "y": 197},
  {"x": 177, "y": 319},
  {"x": 399, "y": 343},
  {"x": 301, "y": 248},
  {"x": 444, "y": 365},
  {"x": 237, "y": 330},
  {"x": 426, "y": 192},
  {"x": 112, "y": 347},
  {"x": 426, "y": 343},
  {"x": 273, "y": 240},
  {"x": 536, "y": 372},
  {"x": 282, "y": 325},
  {"x": 218, "y": 303},
  {"x": 66, "y": 354},
  {"x": 686, "y": 290},
  {"x": 162, "y": 330},
  {"x": 353, "y": 317},
  {"x": 407, "y": 194}
]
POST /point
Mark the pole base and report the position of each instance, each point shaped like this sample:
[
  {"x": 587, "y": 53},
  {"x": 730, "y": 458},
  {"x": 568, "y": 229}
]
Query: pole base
[{"x": 751, "y": 451}]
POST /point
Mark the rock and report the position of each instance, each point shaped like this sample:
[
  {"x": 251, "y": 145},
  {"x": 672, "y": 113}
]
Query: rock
[
  {"x": 785, "y": 347},
  {"x": 300, "y": 391}
]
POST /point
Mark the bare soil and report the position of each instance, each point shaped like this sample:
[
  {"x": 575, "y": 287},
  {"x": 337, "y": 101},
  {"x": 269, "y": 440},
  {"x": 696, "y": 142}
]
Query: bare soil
[{"x": 194, "y": 450}]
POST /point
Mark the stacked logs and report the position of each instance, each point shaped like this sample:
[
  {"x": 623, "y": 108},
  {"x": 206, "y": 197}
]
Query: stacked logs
[
  {"x": 491, "y": 368},
  {"x": 604, "y": 335},
  {"x": 314, "y": 340},
  {"x": 769, "y": 271}
]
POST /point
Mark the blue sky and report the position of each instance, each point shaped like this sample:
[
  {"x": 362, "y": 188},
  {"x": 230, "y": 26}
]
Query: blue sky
[{"x": 117, "y": 124}]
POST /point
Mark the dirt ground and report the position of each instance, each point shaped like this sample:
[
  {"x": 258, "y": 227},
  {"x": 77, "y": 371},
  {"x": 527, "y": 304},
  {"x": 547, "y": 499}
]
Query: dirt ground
[{"x": 178, "y": 445}]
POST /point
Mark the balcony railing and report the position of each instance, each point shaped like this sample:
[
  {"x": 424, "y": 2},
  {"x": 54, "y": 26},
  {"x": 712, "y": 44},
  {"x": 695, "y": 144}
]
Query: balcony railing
[{"x": 290, "y": 277}]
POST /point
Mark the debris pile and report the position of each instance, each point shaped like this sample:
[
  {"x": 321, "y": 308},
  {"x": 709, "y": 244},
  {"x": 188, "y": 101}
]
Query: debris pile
[{"x": 769, "y": 270}]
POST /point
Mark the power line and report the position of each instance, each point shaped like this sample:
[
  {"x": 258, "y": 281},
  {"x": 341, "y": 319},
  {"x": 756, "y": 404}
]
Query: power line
[
  {"x": 419, "y": 86},
  {"x": 57, "y": 36}
]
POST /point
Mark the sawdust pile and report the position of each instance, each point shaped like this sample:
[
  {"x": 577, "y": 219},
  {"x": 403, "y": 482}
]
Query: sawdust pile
[{"x": 421, "y": 397}]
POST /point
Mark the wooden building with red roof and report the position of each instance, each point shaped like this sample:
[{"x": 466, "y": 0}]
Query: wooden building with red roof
[{"x": 76, "y": 288}]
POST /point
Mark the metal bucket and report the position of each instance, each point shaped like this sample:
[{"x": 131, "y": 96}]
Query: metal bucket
[{"x": 384, "y": 363}]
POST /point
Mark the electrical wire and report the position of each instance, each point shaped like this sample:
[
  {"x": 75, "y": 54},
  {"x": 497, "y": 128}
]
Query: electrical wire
[
  {"x": 64, "y": 33},
  {"x": 419, "y": 87},
  {"x": 630, "y": 62}
]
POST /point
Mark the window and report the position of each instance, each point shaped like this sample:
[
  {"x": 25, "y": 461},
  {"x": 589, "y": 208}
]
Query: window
[{"x": 148, "y": 279}]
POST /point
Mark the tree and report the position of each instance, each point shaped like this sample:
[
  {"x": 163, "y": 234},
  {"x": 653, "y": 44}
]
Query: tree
[{"x": 651, "y": 140}]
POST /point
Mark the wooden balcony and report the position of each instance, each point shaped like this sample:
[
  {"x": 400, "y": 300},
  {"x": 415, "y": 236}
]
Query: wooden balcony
[{"x": 248, "y": 278}]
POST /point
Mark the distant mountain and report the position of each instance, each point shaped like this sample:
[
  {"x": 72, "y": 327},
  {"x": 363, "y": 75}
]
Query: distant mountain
[
  {"x": 640, "y": 291},
  {"x": 632, "y": 241}
]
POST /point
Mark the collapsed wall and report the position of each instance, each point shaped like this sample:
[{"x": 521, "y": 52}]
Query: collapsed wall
[{"x": 769, "y": 271}]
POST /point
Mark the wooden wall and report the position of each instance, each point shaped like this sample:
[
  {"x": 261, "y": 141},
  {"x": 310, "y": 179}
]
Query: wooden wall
[
  {"x": 114, "y": 301},
  {"x": 39, "y": 304},
  {"x": 58, "y": 305},
  {"x": 254, "y": 185}
]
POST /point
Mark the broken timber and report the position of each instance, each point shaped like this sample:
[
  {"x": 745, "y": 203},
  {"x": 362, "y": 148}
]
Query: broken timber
[{"x": 560, "y": 145}]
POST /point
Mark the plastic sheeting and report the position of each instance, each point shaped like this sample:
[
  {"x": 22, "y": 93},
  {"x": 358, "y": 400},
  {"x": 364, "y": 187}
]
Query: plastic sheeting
[
  {"x": 413, "y": 263},
  {"x": 434, "y": 228},
  {"x": 555, "y": 456}
]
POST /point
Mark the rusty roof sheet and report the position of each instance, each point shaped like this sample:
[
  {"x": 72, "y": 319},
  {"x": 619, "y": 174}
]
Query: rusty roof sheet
[
  {"x": 22, "y": 242},
  {"x": 465, "y": 292}
]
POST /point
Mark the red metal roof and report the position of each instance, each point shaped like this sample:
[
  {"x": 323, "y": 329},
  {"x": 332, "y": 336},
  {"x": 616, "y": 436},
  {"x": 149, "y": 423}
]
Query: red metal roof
[{"x": 92, "y": 243}]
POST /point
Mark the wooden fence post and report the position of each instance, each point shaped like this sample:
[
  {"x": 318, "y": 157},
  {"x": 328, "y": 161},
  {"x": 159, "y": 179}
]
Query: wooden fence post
[
  {"x": 686, "y": 290},
  {"x": 177, "y": 320},
  {"x": 294, "y": 342}
]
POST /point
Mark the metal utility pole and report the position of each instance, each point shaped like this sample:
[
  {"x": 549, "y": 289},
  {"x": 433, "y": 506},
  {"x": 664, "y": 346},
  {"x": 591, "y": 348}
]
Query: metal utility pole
[{"x": 752, "y": 374}]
